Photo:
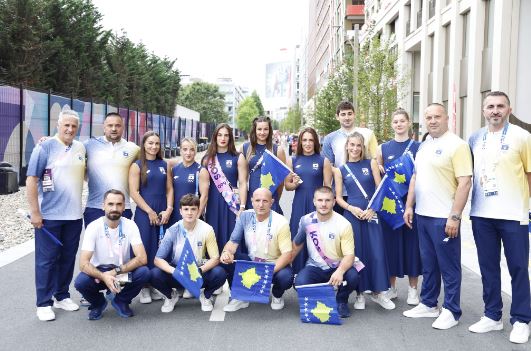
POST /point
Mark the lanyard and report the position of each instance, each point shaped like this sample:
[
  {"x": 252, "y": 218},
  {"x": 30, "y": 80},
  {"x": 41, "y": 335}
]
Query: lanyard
[
  {"x": 502, "y": 139},
  {"x": 357, "y": 182},
  {"x": 121, "y": 238},
  {"x": 498, "y": 150},
  {"x": 269, "y": 236}
]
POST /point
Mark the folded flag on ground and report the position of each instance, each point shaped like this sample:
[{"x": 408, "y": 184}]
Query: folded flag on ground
[
  {"x": 252, "y": 281},
  {"x": 388, "y": 203},
  {"x": 273, "y": 171},
  {"x": 317, "y": 304},
  {"x": 186, "y": 272}
]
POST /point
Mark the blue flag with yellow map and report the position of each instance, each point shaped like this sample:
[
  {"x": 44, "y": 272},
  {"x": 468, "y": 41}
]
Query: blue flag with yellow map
[
  {"x": 400, "y": 172},
  {"x": 186, "y": 272},
  {"x": 273, "y": 171},
  {"x": 252, "y": 281},
  {"x": 388, "y": 203},
  {"x": 317, "y": 303}
]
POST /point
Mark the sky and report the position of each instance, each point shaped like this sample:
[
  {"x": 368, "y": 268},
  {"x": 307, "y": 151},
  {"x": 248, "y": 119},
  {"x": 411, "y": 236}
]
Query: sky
[{"x": 212, "y": 39}]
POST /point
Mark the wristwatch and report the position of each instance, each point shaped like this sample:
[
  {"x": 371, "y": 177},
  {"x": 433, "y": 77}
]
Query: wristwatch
[
  {"x": 455, "y": 217},
  {"x": 118, "y": 270}
]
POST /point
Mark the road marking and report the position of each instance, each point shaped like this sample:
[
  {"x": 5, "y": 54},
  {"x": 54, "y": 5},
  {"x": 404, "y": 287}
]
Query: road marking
[
  {"x": 218, "y": 315},
  {"x": 14, "y": 253}
]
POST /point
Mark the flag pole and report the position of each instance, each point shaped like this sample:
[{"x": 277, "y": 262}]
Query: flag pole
[{"x": 376, "y": 191}]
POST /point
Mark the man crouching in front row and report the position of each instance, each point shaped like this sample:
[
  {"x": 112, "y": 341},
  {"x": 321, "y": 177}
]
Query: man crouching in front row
[{"x": 105, "y": 260}]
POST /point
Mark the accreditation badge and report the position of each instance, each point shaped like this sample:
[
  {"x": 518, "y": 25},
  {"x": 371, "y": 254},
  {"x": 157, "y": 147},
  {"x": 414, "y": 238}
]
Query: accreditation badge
[
  {"x": 47, "y": 181},
  {"x": 489, "y": 185}
]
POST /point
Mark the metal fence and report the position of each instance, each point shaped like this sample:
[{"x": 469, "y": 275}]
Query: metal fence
[{"x": 27, "y": 115}]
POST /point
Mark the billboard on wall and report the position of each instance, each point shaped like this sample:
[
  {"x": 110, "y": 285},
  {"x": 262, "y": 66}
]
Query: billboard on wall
[{"x": 278, "y": 80}]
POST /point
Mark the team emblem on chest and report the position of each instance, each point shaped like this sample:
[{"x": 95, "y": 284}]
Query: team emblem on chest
[
  {"x": 125, "y": 153},
  {"x": 315, "y": 166},
  {"x": 228, "y": 163},
  {"x": 365, "y": 171},
  {"x": 162, "y": 170},
  {"x": 191, "y": 178}
]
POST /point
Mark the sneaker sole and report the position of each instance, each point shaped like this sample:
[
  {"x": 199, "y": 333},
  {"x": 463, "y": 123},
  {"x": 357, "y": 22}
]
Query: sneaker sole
[
  {"x": 359, "y": 307},
  {"x": 413, "y": 303},
  {"x": 445, "y": 327},
  {"x": 120, "y": 313},
  {"x": 496, "y": 328},
  {"x": 424, "y": 315},
  {"x": 55, "y": 305},
  {"x": 100, "y": 316}
]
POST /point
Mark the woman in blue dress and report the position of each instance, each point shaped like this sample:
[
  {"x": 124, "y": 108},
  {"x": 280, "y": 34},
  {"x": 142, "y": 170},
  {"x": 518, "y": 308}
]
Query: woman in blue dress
[
  {"x": 189, "y": 177},
  {"x": 360, "y": 177},
  {"x": 402, "y": 244},
  {"x": 222, "y": 156},
  {"x": 260, "y": 139},
  {"x": 151, "y": 189},
  {"x": 315, "y": 171}
]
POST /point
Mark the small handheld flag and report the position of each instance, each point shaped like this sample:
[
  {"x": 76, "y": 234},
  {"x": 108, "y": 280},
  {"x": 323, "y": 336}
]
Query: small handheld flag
[
  {"x": 273, "y": 171},
  {"x": 317, "y": 304},
  {"x": 388, "y": 203},
  {"x": 252, "y": 281},
  {"x": 400, "y": 172},
  {"x": 43, "y": 229},
  {"x": 186, "y": 272}
]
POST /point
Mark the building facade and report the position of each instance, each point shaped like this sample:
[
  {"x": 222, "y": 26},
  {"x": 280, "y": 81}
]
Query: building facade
[
  {"x": 456, "y": 51},
  {"x": 234, "y": 94}
]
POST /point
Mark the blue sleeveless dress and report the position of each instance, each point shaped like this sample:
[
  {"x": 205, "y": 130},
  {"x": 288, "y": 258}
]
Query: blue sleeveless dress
[
  {"x": 154, "y": 194},
  {"x": 254, "y": 175},
  {"x": 402, "y": 245},
  {"x": 310, "y": 170},
  {"x": 218, "y": 214},
  {"x": 368, "y": 237},
  {"x": 185, "y": 181}
]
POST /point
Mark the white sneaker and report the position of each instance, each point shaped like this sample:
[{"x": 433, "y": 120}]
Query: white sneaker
[
  {"x": 66, "y": 304},
  {"x": 520, "y": 333},
  {"x": 218, "y": 291},
  {"x": 445, "y": 320},
  {"x": 412, "y": 296},
  {"x": 145, "y": 296},
  {"x": 235, "y": 305},
  {"x": 277, "y": 303},
  {"x": 382, "y": 300},
  {"x": 392, "y": 293},
  {"x": 206, "y": 304},
  {"x": 485, "y": 325},
  {"x": 187, "y": 294},
  {"x": 359, "y": 303},
  {"x": 156, "y": 295},
  {"x": 421, "y": 311},
  {"x": 45, "y": 313},
  {"x": 169, "y": 304}
]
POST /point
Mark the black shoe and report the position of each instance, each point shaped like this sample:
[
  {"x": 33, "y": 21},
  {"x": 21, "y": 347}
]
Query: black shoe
[
  {"x": 122, "y": 309},
  {"x": 96, "y": 313},
  {"x": 343, "y": 310}
]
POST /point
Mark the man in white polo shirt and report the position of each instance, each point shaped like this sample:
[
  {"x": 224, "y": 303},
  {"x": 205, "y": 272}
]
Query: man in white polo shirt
[
  {"x": 440, "y": 186},
  {"x": 500, "y": 213},
  {"x": 105, "y": 260}
]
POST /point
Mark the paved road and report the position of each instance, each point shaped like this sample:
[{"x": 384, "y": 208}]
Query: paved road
[{"x": 255, "y": 328}]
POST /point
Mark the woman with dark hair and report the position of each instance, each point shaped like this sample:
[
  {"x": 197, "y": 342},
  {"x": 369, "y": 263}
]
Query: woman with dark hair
[
  {"x": 189, "y": 177},
  {"x": 402, "y": 244},
  {"x": 228, "y": 172},
  {"x": 261, "y": 139},
  {"x": 315, "y": 171},
  {"x": 360, "y": 176},
  {"x": 151, "y": 188}
]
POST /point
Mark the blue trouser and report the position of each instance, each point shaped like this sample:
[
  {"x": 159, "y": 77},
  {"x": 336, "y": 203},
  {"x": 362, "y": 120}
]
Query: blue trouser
[
  {"x": 164, "y": 282},
  {"x": 90, "y": 289},
  {"x": 282, "y": 280},
  {"x": 314, "y": 275},
  {"x": 488, "y": 235},
  {"x": 439, "y": 258},
  {"x": 54, "y": 264},
  {"x": 91, "y": 214}
]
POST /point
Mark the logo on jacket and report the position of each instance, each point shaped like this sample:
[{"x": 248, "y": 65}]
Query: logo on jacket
[
  {"x": 315, "y": 166},
  {"x": 365, "y": 171}
]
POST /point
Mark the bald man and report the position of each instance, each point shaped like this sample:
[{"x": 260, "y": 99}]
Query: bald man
[{"x": 267, "y": 237}]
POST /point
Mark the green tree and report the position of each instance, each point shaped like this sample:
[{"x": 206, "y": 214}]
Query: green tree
[
  {"x": 247, "y": 110},
  {"x": 206, "y": 99},
  {"x": 23, "y": 46},
  {"x": 292, "y": 122},
  {"x": 258, "y": 103}
]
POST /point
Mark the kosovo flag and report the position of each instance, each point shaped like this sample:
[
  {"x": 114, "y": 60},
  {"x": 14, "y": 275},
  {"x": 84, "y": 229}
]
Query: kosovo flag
[
  {"x": 273, "y": 171},
  {"x": 400, "y": 172},
  {"x": 388, "y": 203},
  {"x": 187, "y": 273},
  {"x": 317, "y": 303},
  {"x": 252, "y": 281}
]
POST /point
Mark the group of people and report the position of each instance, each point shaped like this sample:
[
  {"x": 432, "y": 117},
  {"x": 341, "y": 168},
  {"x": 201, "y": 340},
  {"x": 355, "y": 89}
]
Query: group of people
[{"x": 332, "y": 235}]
